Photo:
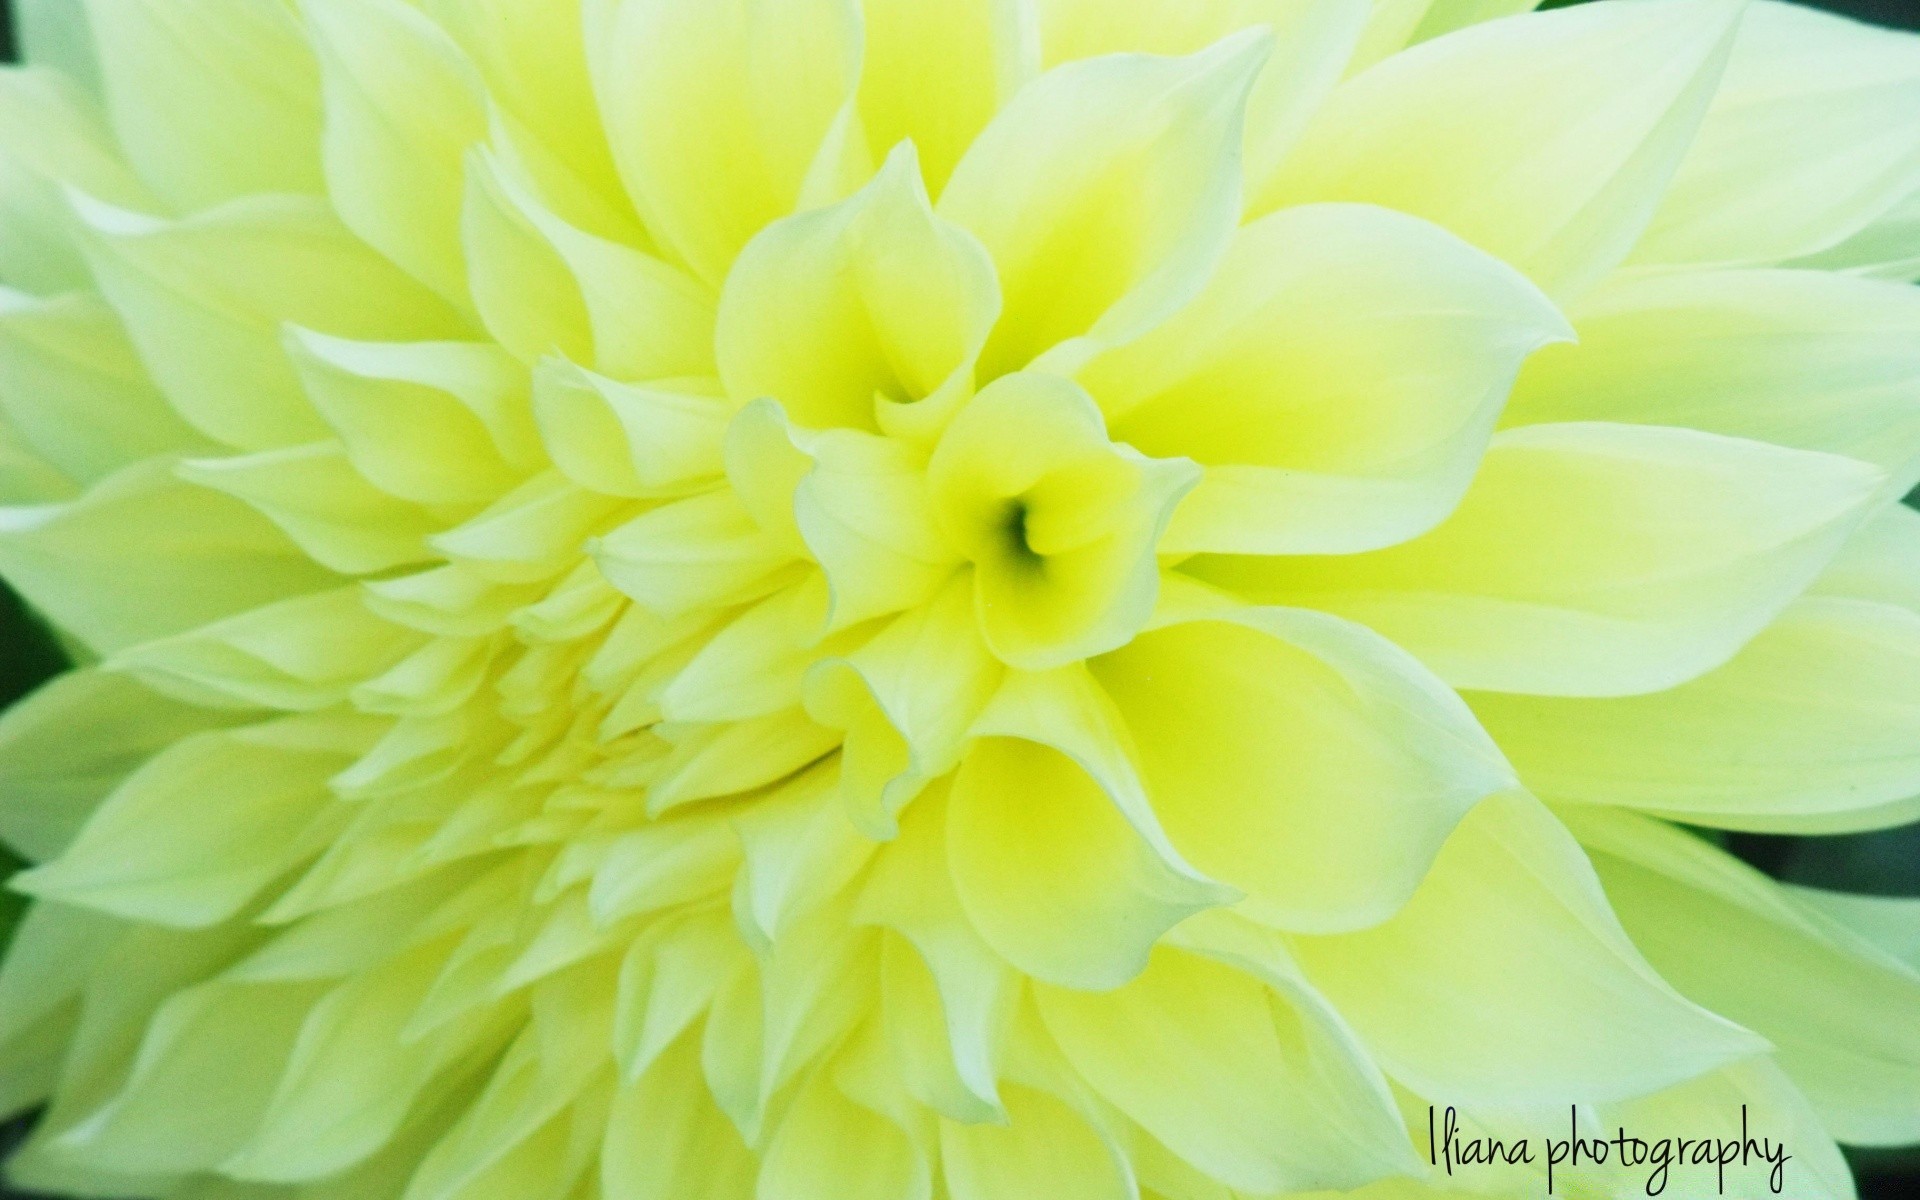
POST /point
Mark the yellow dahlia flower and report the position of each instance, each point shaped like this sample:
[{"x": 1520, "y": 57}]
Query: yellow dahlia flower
[{"x": 990, "y": 599}]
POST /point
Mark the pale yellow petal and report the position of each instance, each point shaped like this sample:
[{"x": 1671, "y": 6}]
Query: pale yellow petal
[
  {"x": 1561, "y": 185},
  {"x": 1808, "y": 359},
  {"x": 1592, "y": 559},
  {"x": 1809, "y": 140},
  {"x": 1507, "y": 982},
  {"x": 211, "y": 99},
  {"x": 1813, "y": 725}
]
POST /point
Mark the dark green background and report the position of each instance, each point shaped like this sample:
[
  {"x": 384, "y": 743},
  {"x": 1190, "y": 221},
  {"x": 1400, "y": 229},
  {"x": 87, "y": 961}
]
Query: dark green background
[{"x": 1887, "y": 862}]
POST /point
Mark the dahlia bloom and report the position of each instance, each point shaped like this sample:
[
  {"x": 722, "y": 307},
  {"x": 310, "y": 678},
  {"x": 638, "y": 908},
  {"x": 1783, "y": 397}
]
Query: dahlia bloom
[{"x": 989, "y": 599}]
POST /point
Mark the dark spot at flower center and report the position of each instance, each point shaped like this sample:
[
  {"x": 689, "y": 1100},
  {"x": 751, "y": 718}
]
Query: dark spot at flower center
[{"x": 1013, "y": 528}]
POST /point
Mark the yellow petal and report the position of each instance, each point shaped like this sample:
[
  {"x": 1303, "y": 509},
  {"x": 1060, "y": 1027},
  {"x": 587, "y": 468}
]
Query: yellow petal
[
  {"x": 224, "y": 1041},
  {"x": 543, "y": 286},
  {"x": 298, "y": 655},
  {"x": 1303, "y": 760},
  {"x": 829, "y": 1148},
  {"x": 935, "y": 74},
  {"x": 317, "y": 498},
  {"x": 848, "y": 312},
  {"x": 1044, "y": 1150},
  {"x": 906, "y": 700},
  {"x": 53, "y": 780},
  {"x": 665, "y": 1140},
  {"x": 911, "y": 891},
  {"x": 72, "y": 385},
  {"x": 866, "y": 516},
  {"x": 534, "y": 60},
  {"x": 179, "y": 844},
  {"x": 718, "y": 113},
  {"x": 1228, "y": 1075},
  {"x": 694, "y": 553},
  {"x": 629, "y": 439},
  {"x": 1029, "y": 831},
  {"x": 1338, "y": 378},
  {"x": 53, "y": 137},
  {"x": 1060, "y": 523},
  {"x": 432, "y": 422},
  {"x": 1104, "y": 192}
]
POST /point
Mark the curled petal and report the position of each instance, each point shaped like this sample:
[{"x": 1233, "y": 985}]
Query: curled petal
[{"x": 1338, "y": 380}]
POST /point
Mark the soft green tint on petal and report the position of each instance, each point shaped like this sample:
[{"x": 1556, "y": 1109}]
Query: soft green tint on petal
[
  {"x": 830, "y": 1148},
  {"x": 629, "y": 439},
  {"x": 1560, "y": 185},
  {"x": 1397, "y": 24},
  {"x": 866, "y": 514},
  {"x": 1889, "y": 922},
  {"x": 326, "y": 506},
  {"x": 299, "y": 655},
  {"x": 76, "y": 390},
  {"x": 52, "y": 137},
  {"x": 430, "y": 422},
  {"x": 54, "y": 33},
  {"x": 1814, "y": 724},
  {"x": 1810, "y": 139},
  {"x": 95, "y": 564},
  {"x": 204, "y": 300},
  {"x": 211, "y": 99},
  {"x": 666, "y": 1140},
  {"x": 225, "y": 1042},
  {"x": 402, "y": 105},
  {"x": 1043, "y": 1149},
  {"x": 53, "y": 780},
  {"x": 1592, "y": 559},
  {"x": 1059, "y": 523},
  {"x": 1834, "y": 1006},
  {"x": 1797, "y": 358},
  {"x": 544, "y": 285},
  {"x": 533, "y": 57},
  {"x": 864, "y": 599},
  {"x": 185, "y": 841},
  {"x": 1486, "y": 987},
  {"x": 906, "y": 700},
  {"x": 1889, "y": 248}
]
